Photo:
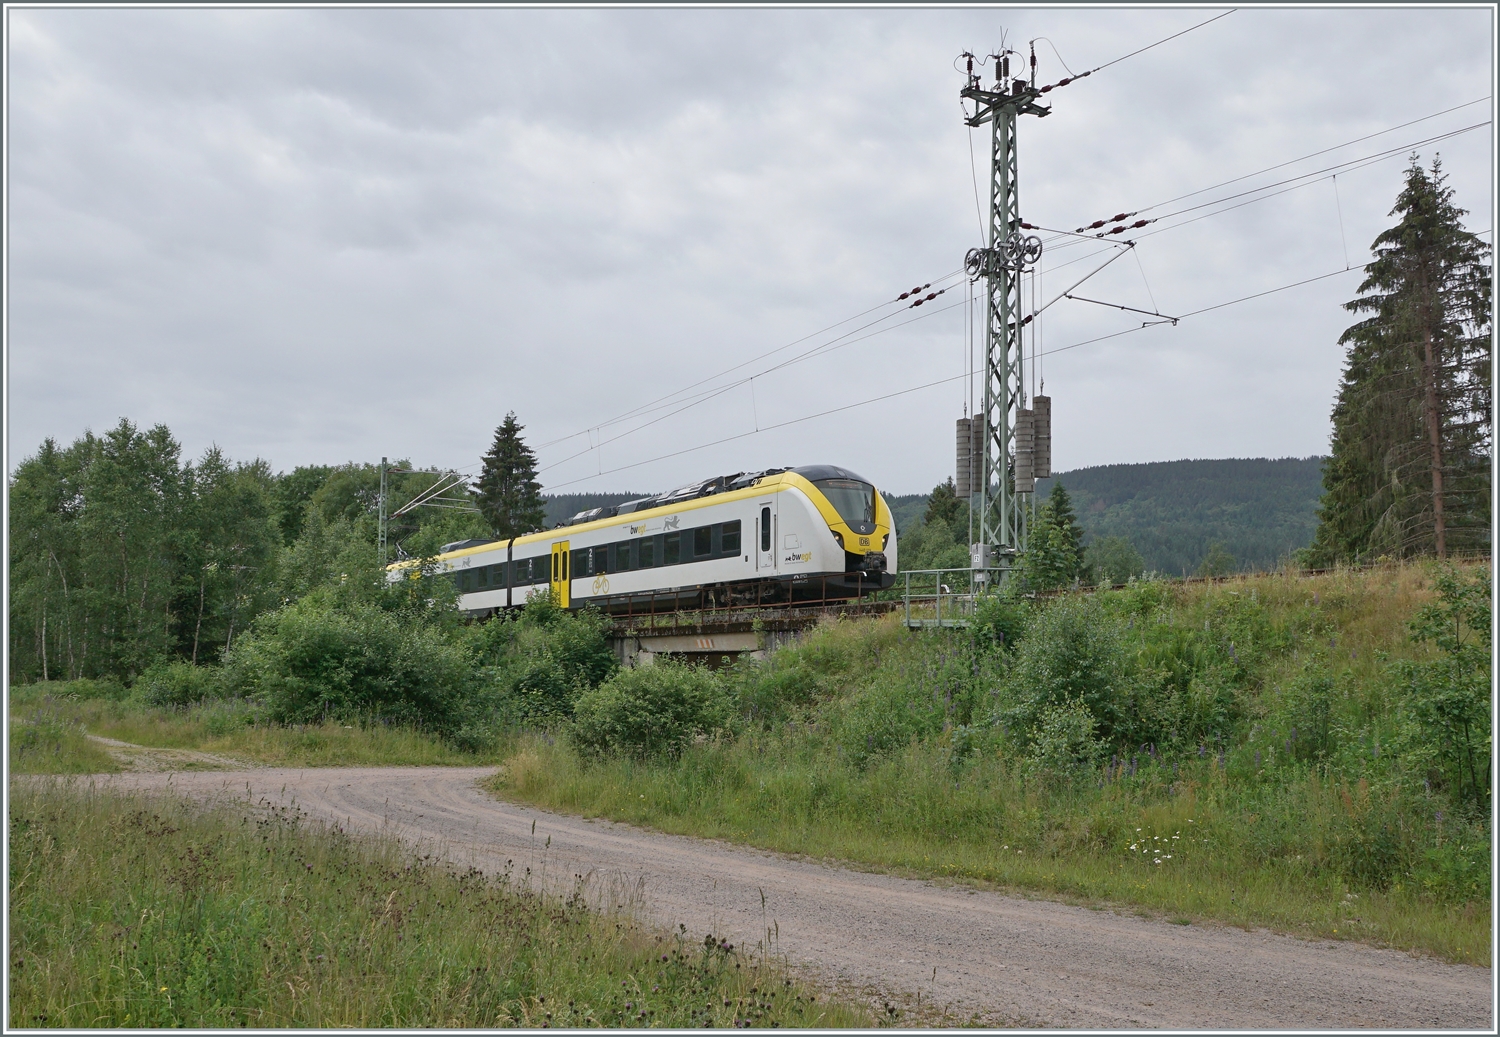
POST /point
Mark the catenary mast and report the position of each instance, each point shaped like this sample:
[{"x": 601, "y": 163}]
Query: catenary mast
[{"x": 998, "y": 494}]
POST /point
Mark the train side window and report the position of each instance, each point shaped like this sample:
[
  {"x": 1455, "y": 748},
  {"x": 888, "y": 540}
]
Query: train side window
[
  {"x": 703, "y": 544},
  {"x": 498, "y": 579},
  {"x": 581, "y": 559},
  {"x": 622, "y": 557},
  {"x": 729, "y": 541},
  {"x": 765, "y": 529},
  {"x": 671, "y": 551},
  {"x": 601, "y": 559},
  {"x": 647, "y": 548},
  {"x": 482, "y": 578}
]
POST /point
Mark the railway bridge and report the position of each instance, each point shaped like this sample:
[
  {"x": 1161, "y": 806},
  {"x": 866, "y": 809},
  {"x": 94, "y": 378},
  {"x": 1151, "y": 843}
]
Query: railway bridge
[{"x": 716, "y": 637}]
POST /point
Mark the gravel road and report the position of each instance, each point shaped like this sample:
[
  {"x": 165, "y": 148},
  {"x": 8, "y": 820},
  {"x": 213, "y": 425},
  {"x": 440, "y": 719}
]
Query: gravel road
[{"x": 1002, "y": 959}]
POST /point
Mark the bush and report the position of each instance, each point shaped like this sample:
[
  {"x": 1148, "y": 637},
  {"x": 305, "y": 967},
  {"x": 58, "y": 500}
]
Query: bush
[
  {"x": 1000, "y": 620},
  {"x": 650, "y": 711},
  {"x": 1073, "y": 653},
  {"x": 176, "y": 683},
  {"x": 311, "y": 661},
  {"x": 542, "y": 660},
  {"x": 1063, "y": 745}
]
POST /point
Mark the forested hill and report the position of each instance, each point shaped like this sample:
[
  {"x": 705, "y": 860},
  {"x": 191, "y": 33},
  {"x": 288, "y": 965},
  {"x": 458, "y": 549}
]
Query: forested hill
[{"x": 1259, "y": 509}]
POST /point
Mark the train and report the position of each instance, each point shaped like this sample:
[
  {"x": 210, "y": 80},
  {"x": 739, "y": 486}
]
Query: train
[{"x": 783, "y": 536}]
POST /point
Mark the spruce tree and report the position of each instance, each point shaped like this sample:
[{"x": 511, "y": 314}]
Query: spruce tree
[
  {"x": 943, "y": 505},
  {"x": 510, "y": 498},
  {"x": 1054, "y": 555},
  {"x": 1408, "y": 472}
]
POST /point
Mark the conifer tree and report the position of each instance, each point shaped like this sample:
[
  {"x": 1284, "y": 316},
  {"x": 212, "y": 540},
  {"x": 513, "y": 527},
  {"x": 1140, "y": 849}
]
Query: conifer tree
[
  {"x": 1054, "y": 555},
  {"x": 1408, "y": 471},
  {"x": 944, "y": 505},
  {"x": 510, "y": 498}
]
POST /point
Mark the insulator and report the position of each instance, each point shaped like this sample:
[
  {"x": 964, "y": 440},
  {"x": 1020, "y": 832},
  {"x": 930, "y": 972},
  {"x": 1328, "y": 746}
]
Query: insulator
[
  {"x": 1117, "y": 230},
  {"x": 1004, "y": 68},
  {"x": 1064, "y": 81},
  {"x": 914, "y": 291},
  {"x": 1120, "y": 216},
  {"x": 1027, "y": 320},
  {"x": 1140, "y": 223},
  {"x": 931, "y": 296},
  {"x": 1044, "y": 89},
  {"x": 971, "y": 64},
  {"x": 903, "y": 295},
  {"x": 917, "y": 303},
  {"x": 1027, "y": 226}
]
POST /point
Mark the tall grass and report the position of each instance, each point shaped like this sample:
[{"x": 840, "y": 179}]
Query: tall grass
[
  {"x": 883, "y": 748},
  {"x": 129, "y": 911}
]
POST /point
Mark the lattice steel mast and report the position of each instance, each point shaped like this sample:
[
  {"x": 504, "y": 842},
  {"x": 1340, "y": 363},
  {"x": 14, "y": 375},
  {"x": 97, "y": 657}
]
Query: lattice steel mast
[{"x": 998, "y": 509}]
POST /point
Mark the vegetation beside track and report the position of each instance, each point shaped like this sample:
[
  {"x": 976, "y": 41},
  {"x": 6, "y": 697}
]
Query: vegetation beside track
[{"x": 1271, "y": 751}]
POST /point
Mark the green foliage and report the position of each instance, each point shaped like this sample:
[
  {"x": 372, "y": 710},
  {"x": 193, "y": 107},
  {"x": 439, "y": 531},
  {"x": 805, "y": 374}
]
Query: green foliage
[
  {"x": 1417, "y": 369},
  {"x": 540, "y": 661},
  {"x": 168, "y": 914},
  {"x": 1265, "y": 728},
  {"x": 1062, "y": 746},
  {"x": 943, "y": 505},
  {"x": 174, "y": 683},
  {"x": 654, "y": 710},
  {"x": 1054, "y": 556},
  {"x": 317, "y": 660},
  {"x": 1000, "y": 620},
  {"x": 1115, "y": 560},
  {"x": 1170, "y": 511},
  {"x": 906, "y": 701},
  {"x": 1217, "y": 562},
  {"x": 509, "y": 495},
  {"x": 1448, "y": 700},
  {"x": 1074, "y": 652}
]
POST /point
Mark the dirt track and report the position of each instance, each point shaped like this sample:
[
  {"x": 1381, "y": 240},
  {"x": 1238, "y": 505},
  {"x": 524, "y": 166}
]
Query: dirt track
[{"x": 1009, "y": 960}]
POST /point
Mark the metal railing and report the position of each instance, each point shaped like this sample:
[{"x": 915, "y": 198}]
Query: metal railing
[{"x": 933, "y": 598}]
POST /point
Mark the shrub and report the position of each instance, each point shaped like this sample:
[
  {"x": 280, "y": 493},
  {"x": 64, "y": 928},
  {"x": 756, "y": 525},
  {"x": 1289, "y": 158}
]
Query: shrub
[
  {"x": 311, "y": 661},
  {"x": 1073, "y": 653},
  {"x": 1000, "y": 620},
  {"x": 1063, "y": 745},
  {"x": 175, "y": 683},
  {"x": 542, "y": 660},
  {"x": 650, "y": 711}
]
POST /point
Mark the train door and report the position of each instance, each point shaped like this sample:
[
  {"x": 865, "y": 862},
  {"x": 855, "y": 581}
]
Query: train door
[
  {"x": 562, "y": 580},
  {"x": 765, "y": 536}
]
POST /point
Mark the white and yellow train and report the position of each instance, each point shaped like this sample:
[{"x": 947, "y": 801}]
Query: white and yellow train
[{"x": 784, "y": 536}]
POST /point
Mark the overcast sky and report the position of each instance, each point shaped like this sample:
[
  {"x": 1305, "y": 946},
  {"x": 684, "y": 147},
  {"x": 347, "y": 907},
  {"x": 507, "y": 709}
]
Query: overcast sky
[{"x": 316, "y": 236}]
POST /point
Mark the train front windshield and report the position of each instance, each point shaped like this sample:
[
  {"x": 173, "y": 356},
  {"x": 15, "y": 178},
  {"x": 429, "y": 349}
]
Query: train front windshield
[{"x": 852, "y": 499}]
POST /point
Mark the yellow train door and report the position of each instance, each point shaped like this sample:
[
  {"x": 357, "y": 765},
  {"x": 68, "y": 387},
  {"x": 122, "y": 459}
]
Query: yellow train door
[{"x": 562, "y": 580}]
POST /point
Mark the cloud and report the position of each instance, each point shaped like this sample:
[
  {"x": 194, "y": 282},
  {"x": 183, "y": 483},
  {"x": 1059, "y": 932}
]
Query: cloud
[{"x": 321, "y": 235}]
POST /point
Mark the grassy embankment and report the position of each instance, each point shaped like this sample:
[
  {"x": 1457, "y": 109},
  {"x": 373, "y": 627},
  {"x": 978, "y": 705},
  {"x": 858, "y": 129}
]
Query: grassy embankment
[
  {"x": 855, "y": 748},
  {"x": 129, "y": 911},
  {"x": 50, "y": 723}
]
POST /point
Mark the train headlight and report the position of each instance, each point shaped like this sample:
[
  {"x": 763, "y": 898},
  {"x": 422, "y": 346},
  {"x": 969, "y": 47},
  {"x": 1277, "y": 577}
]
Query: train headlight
[
  {"x": 839, "y": 537},
  {"x": 885, "y": 540}
]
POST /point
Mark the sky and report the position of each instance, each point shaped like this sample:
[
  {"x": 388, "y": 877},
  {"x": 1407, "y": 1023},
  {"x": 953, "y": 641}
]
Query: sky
[{"x": 318, "y": 236}]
